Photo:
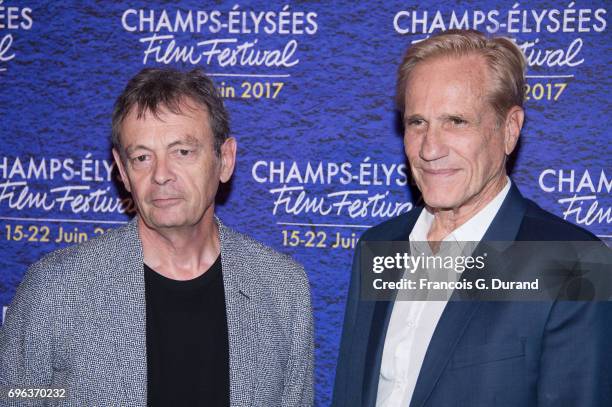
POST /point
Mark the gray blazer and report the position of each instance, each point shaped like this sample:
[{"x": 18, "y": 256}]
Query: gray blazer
[{"x": 78, "y": 322}]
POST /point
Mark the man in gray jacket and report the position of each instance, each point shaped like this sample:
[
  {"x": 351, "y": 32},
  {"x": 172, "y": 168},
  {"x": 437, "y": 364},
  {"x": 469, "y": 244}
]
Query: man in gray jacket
[{"x": 174, "y": 308}]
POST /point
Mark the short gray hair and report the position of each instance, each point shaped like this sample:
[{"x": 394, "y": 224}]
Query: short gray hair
[
  {"x": 503, "y": 57},
  {"x": 155, "y": 88}
]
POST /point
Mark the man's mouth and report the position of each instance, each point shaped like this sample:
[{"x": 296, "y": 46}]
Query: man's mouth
[
  {"x": 440, "y": 172},
  {"x": 165, "y": 202}
]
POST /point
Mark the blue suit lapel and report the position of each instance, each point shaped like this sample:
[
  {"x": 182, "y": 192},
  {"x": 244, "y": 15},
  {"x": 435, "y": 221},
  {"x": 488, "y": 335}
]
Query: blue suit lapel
[
  {"x": 507, "y": 222},
  {"x": 457, "y": 314},
  {"x": 450, "y": 328},
  {"x": 379, "y": 323},
  {"x": 376, "y": 343}
]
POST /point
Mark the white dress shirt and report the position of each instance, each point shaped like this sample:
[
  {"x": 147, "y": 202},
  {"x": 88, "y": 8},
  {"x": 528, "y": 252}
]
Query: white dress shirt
[{"x": 412, "y": 323}]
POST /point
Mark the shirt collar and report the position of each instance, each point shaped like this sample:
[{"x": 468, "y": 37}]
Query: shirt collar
[{"x": 471, "y": 231}]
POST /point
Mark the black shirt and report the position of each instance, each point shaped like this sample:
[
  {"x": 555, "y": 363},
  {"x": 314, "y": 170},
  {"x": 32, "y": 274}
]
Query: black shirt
[{"x": 187, "y": 345}]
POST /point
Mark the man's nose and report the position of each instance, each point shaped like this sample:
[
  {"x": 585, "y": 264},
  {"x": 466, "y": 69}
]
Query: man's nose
[
  {"x": 434, "y": 145},
  {"x": 162, "y": 173}
]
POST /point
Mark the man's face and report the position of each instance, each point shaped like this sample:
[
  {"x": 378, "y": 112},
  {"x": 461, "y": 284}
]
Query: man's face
[
  {"x": 456, "y": 151},
  {"x": 170, "y": 166}
]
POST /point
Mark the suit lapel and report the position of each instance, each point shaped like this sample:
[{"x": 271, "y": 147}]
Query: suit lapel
[
  {"x": 126, "y": 317},
  {"x": 457, "y": 314},
  {"x": 506, "y": 224},
  {"x": 242, "y": 321},
  {"x": 450, "y": 328},
  {"x": 381, "y": 314},
  {"x": 126, "y": 313},
  {"x": 376, "y": 343}
]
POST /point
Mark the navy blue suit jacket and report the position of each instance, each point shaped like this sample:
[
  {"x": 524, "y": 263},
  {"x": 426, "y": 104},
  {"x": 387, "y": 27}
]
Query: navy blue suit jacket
[{"x": 493, "y": 354}]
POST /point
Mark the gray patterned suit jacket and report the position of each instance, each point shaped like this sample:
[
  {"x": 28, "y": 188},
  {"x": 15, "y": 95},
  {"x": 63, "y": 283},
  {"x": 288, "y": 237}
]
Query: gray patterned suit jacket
[{"x": 78, "y": 322}]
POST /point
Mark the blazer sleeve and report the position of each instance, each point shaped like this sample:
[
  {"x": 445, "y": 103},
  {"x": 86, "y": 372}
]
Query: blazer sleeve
[
  {"x": 576, "y": 361},
  {"x": 26, "y": 338},
  {"x": 298, "y": 382}
]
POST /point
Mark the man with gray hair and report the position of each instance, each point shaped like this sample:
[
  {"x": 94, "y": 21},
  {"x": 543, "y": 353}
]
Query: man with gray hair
[
  {"x": 174, "y": 308},
  {"x": 461, "y": 97}
]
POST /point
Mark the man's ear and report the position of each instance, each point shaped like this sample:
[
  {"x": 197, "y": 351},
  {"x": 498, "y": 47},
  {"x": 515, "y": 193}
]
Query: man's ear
[
  {"x": 512, "y": 129},
  {"x": 122, "y": 171},
  {"x": 228, "y": 159}
]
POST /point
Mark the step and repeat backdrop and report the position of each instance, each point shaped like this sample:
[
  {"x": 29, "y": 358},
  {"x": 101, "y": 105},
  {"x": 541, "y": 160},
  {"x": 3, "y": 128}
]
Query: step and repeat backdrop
[{"x": 309, "y": 86}]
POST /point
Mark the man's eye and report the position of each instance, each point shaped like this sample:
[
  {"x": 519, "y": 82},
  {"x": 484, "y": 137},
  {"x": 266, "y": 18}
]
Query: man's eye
[
  {"x": 184, "y": 152},
  {"x": 140, "y": 158},
  {"x": 458, "y": 120},
  {"x": 414, "y": 122}
]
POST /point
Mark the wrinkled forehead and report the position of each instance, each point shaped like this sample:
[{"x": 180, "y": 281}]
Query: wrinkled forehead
[
  {"x": 455, "y": 77},
  {"x": 183, "y": 105},
  {"x": 187, "y": 124}
]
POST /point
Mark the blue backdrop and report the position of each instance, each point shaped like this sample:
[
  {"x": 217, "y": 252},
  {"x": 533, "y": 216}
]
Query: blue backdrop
[{"x": 309, "y": 86}]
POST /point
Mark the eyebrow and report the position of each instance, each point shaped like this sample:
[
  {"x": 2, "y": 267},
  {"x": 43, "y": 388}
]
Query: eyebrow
[
  {"x": 187, "y": 140},
  {"x": 447, "y": 116},
  {"x": 467, "y": 117},
  {"x": 131, "y": 149},
  {"x": 444, "y": 116},
  {"x": 413, "y": 116}
]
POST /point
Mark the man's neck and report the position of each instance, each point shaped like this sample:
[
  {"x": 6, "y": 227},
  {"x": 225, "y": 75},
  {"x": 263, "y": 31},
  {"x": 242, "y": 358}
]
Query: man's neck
[
  {"x": 180, "y": 254},
  {"x": 447, "y": 220}
]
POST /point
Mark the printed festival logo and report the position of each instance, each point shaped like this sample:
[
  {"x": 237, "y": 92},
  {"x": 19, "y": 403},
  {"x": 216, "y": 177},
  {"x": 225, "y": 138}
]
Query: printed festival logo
[
  {"x": 12, "y": 18},
  {"x": 253, "y": 51},
  {"x": 233, "y": 38},
  {"x": 581, "y": 192}
]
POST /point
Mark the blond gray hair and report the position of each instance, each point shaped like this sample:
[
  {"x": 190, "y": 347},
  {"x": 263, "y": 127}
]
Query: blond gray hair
[{"x": 505, "y": 61}]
